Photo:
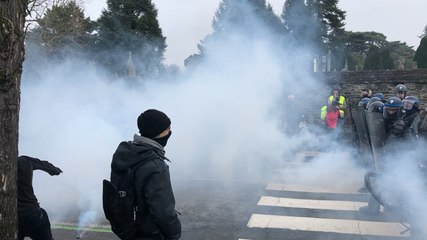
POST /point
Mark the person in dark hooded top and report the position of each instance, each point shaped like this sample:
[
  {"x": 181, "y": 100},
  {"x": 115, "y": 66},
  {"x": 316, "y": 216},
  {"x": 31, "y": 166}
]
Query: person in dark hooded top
[
  {"x": 156, "y": 217},
  {"x": 33, "y": 220}
]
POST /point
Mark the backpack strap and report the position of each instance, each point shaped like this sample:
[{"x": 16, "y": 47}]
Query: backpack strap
[{"x": 135, "y": 168}]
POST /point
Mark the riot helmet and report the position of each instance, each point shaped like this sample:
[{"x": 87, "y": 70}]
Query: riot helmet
[
  {"x": 377, "y": 106},
  {"x": 363, "y": 102},
  {"x": 400, "y": 91},
  {"x": 410, "y": 102},
  {"x": 401, "y": 88},
  {"x": 393, "y": 102},
  {"x": 380, "y": 96},
  {"x": 391, "y": 107},
  {"x": 372, "y": 100}
]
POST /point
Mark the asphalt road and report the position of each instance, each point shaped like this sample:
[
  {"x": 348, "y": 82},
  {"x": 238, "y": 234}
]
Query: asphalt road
[
  {"x": 209, "y": 210},
  {"x": 212, "y": 209}
]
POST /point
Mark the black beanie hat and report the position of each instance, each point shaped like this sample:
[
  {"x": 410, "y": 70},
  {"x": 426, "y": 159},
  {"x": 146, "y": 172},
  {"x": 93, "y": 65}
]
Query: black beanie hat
[{"x": 152, "y": 122}]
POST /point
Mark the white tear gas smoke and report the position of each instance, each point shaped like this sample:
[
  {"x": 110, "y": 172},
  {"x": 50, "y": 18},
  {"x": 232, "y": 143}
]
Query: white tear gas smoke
[
  {"x": 225, "y": 116},
  {"x": 85, "y": 219},
  {"x": 404, "y": 179}
]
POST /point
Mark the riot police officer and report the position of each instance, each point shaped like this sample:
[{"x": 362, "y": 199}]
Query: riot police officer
[
  {"x": 400, "y": 91},
  {"x": 410, "y": 112},
  {"x": 419, "y": 125},
  {"x": 392, "y": 114},
  {"x": 363, "y": 102}
]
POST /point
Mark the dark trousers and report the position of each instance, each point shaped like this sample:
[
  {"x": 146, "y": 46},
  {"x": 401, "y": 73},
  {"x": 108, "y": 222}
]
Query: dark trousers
[
  {"x": 157, "y": 236},
  {"x": 373, "y": 205},
  {"x": 35, "y": 225}
]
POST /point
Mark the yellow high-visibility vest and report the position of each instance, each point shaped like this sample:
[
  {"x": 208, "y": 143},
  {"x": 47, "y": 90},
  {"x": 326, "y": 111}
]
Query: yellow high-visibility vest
[
  {"x": 341, "y": 101},
  {"x": 323, "y": 112}
]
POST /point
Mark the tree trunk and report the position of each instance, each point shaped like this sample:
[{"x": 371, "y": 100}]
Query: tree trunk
[{"x": 12, "y": 19}]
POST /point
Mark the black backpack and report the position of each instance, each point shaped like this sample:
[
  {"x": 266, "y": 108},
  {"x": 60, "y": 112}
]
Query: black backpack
[{"x": 120, "y": 202}]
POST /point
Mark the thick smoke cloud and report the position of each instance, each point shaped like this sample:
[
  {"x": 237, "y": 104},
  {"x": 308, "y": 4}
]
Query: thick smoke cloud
[
  {"x": 404, "y": 179},
  {"x": 226, "y": 117},
  {"x": 223, "y": 121}
]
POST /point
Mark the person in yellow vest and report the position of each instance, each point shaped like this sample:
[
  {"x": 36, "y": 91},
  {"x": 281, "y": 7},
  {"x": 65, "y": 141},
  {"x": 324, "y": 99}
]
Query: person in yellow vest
[
  {"x": 340, "y": 99},
  {"x": 324, "y": 111}
]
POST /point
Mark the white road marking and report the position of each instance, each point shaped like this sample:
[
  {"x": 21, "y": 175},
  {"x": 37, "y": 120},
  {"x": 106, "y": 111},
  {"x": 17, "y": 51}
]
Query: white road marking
[
  {"x": 311, "y": 204},
  {"x": 310, "y": 189},
  {"x": 389, "y": 229},
  {"x": 343, "y": 155},
  {"x": 333, "y": 184}
]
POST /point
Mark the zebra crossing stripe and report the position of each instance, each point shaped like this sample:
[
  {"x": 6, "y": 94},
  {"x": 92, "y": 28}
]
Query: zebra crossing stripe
[
  {"x": 388, "y": 229},
  {"x": 312, "y": 189},
  {"x": 311, "y": 204}
]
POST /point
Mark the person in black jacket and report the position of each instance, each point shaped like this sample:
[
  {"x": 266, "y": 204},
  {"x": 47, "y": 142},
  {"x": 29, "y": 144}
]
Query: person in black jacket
[
  {"x": 156, "y": 216},
  {"x": 410, "y": 112},
  {"x": 33, "y": 220}
]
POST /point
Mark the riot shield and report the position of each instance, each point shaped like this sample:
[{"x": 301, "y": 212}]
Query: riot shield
[
  {"x": 358, "y": 114},
  {"x": 376, "y": 128}
]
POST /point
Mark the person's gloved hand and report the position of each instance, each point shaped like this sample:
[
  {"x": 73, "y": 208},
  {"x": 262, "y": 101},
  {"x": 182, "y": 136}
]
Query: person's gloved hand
[
  {"x": 398, "y": 127},
  {"x": 399, "y": 124},
  {"x": 55, "y": 171}
]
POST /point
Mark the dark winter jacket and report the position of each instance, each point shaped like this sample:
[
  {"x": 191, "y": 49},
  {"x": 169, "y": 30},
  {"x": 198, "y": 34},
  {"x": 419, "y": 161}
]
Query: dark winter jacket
[
  {"x": 156, "y": 202},
  {"x": 419, "y": 125},
  {"x": 408, "y": 118},
  {"x": 400, "y": 126},
  {"x": 27, "y": 201}
]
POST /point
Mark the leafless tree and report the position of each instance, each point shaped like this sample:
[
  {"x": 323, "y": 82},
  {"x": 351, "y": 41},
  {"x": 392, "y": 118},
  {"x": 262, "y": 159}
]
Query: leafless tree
[{"x": 37, "y": 8}]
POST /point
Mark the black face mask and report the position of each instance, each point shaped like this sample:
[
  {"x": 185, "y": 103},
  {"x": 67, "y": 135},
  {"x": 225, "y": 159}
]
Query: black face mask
[{"x": 163, "y": 140}]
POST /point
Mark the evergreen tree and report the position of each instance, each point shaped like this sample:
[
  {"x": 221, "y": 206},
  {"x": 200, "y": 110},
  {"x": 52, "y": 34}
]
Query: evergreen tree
[
  {"x": 250, "y": 19},
  {"x": 245, "y": 16},
  {"x": 424, "y": 34},
  {"x": 303, "y": 33},
  {"x": 300, "y": 24},
  {"x": 130, "y": 26},
  {"x": 378, "y": 59},
  {"x": 331, "y": 27},
  {"x": 271, "y": 19},
  {"x": 362, "y": 41},
  {"x": 359, "y": 43},
  {"x": 329, "y": 16},
  {"x": 402, "y": 54},
  {"x": 421, "y": 54}
]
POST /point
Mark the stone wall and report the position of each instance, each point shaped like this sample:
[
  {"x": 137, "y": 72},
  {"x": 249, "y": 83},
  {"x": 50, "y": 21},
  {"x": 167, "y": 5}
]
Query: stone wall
[{"x": 352, "y": 83}]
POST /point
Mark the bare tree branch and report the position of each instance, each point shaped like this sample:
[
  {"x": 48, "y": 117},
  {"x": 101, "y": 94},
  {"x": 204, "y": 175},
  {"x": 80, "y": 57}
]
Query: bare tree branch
[{"x": 37, "y": 8}]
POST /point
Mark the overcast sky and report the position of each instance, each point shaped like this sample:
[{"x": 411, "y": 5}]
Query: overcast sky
[{"x": 185, "y": 23}]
